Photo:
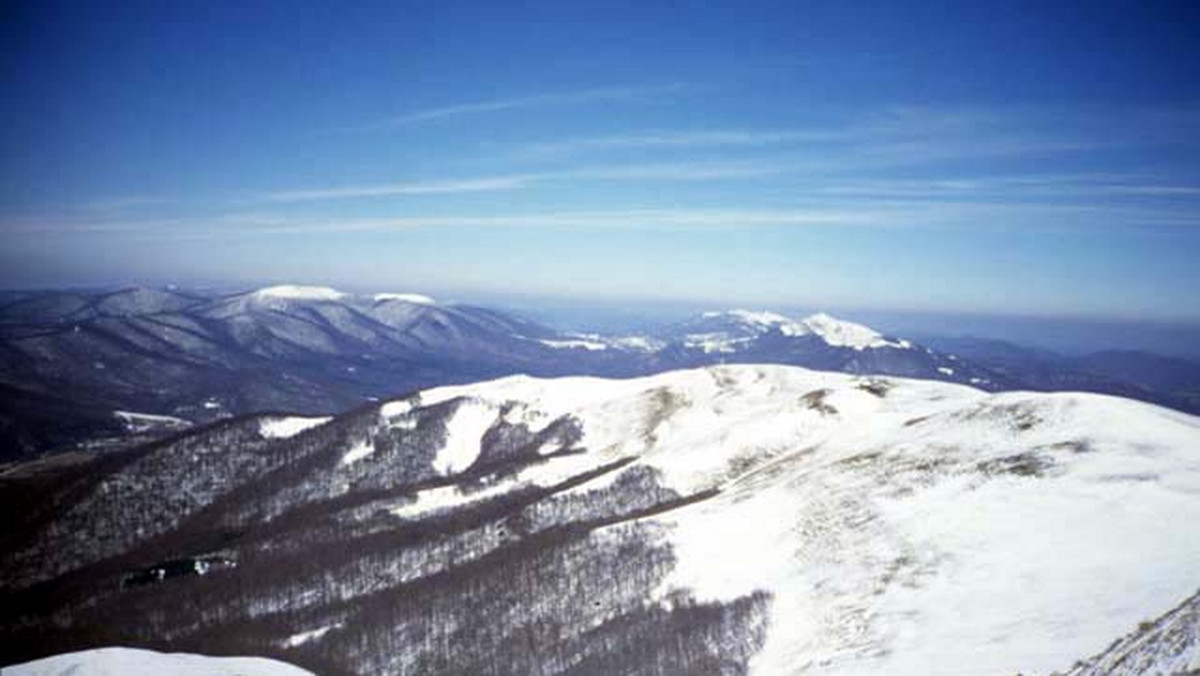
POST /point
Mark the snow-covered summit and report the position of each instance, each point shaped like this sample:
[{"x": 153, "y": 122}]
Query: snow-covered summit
[
  {"x": 760, "y": 320},
  {"x": 137, "y": 662},
  {"x": 748, "y": 323},
  {"x": 298, "y": 292},
  {"x": 842, "y": 333},
  {"x": 889, "y": 519},
  {"x": 417, "y": 298}
]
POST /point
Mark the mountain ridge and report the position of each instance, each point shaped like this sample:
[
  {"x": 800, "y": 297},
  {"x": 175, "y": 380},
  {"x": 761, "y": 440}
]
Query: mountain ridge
[
  {"x": 794, "y": 517},
  {"x": 199, "y": 355}
]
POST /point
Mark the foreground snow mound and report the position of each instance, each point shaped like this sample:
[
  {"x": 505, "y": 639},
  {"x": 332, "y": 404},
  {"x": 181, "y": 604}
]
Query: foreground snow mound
[{"x": 136, "y": 662}]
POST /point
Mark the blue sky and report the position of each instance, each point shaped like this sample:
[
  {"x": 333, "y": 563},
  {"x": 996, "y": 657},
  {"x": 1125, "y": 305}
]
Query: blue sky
[{"x": 1009, "y": 158}]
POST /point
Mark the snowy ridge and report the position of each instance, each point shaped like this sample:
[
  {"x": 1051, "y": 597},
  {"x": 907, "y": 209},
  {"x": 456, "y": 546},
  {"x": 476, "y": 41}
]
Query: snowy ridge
[
  {"x": 889, "y": 519},
  {"x": 284, "y": 428},
  {"x": 762, "y": 321},
  {"x": 750, "y": 324},
  {"x": 138, "y": 662},
  {"x": 847, "y": 334},
  {"x": 141, "y": 422},
  {"x": 297, "y": 292},
  {"x": 416, "y": 298},
  {"x": 1167, "y": 646},
  {"x": 573, "y": 343},
  {"x": 814, "y": 523}
]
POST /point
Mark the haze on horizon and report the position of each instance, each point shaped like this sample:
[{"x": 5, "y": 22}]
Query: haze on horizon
[{"x": 1017, "y": 159}]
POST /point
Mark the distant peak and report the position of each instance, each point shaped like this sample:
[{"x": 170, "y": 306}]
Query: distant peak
[
  {"x": 752, "y": 317},
  {"x": 842, "y": 333},
  {"x": 406, "y": 297},
  {"x": 295, "y": 292}
]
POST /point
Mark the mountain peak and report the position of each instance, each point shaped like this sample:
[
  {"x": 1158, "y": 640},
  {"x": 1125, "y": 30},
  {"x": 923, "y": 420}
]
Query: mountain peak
[
  {"x": 761, "y": 321},
  {"x": 417, "y": 298},
  {"x": 298, "y": 292},
  {"x": 843, "y": 333}
]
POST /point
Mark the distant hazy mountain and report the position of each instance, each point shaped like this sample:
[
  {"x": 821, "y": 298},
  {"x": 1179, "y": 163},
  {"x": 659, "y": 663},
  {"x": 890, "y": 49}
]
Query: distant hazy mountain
[
  {"x": 1139, "y": 375},
  {"x": 304, "y": 349},
  {"x": 116, "y": 367},
  {"x": 726, "y": 520},
  {"x": 818, "y": 341}
]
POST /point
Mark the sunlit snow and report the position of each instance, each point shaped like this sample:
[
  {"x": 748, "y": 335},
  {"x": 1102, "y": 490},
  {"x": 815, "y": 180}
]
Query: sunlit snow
[{"x": 283, "y": 428}]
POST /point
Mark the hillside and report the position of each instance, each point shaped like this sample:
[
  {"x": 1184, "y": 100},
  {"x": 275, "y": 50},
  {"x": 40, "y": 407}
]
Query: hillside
[{"x": 737, "y": 519}]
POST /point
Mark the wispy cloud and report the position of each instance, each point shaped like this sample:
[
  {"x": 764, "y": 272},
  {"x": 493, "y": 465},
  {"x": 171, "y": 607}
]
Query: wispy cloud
[
  {"x": 694, "y": 171},
  {"x": 963, "y": 212},
  {"x": 907, "y": 213},
  {"x": 122, "y": 203},
  {"x": 577, "y": 97},
  {"x": 485, "y": 184},
  {"x": 609, "y": 219},
  {"x": 678, "y": 140},
  {"x": 676, "y": 171}
]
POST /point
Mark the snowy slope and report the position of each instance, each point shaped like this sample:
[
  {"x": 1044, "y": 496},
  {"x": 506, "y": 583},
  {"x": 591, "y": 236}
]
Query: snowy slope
[
  {"x": 920, "y": 528},
  {"x": 136, "y": 662},
  {"x": 736, "y": 519},
  {"x": 731, "y": 330},
  {"x": 1169, "y": 645}
]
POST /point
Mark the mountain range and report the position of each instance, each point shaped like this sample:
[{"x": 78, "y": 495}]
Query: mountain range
[
  {"x": 95, "y": 370},
  {"x": 724, "y": 520}
]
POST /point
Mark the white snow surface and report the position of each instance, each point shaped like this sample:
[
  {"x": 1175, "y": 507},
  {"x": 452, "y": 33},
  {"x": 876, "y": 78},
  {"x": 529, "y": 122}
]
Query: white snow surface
[
  {"x": 358, "y": 451},
  {"x": 138, "y": 662},
  {"x": 936, "y": 529},
  {"x": 464, "y": 433},
  {"x": 417, "y": 298},
  {"x": 284, "y": 428},
  {"x": 596, "y": 342},
  {"x": 140, "y": 422},
  {"x": 763, "y": 321},
  {"x": 297, "y": 292},
  {"x": 842, "y": 333},
  {"x": 574, "y": 343},
  {"x": 308, "y": 636},
  {"x": 834, "y": 331}
]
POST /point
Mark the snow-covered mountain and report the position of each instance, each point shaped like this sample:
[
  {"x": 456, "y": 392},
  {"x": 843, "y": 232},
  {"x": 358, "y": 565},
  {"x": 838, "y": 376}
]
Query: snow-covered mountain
[
  {"x": 730, "y": 519},
  {"x": 76, "y": 367},
  {"x": 69, "y": 360},
  {"x": 135, "y": 662},
  {"x": 818, "y": 341},
  {"x": 730, "y": 331}
]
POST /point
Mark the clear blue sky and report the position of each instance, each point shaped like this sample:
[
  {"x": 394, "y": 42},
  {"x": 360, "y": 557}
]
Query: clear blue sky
[{"x": 1032, "y": 158}]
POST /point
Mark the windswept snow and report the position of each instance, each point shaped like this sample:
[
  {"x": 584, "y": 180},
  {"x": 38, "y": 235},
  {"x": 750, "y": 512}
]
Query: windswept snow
[
  {"x": 296, "y": 292},
  {"x": 406, "y": 297},
  {"x": 284, "y": 428},
  {"x": 137, "y": 662},
  {"x": 464, "y": 432}
]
